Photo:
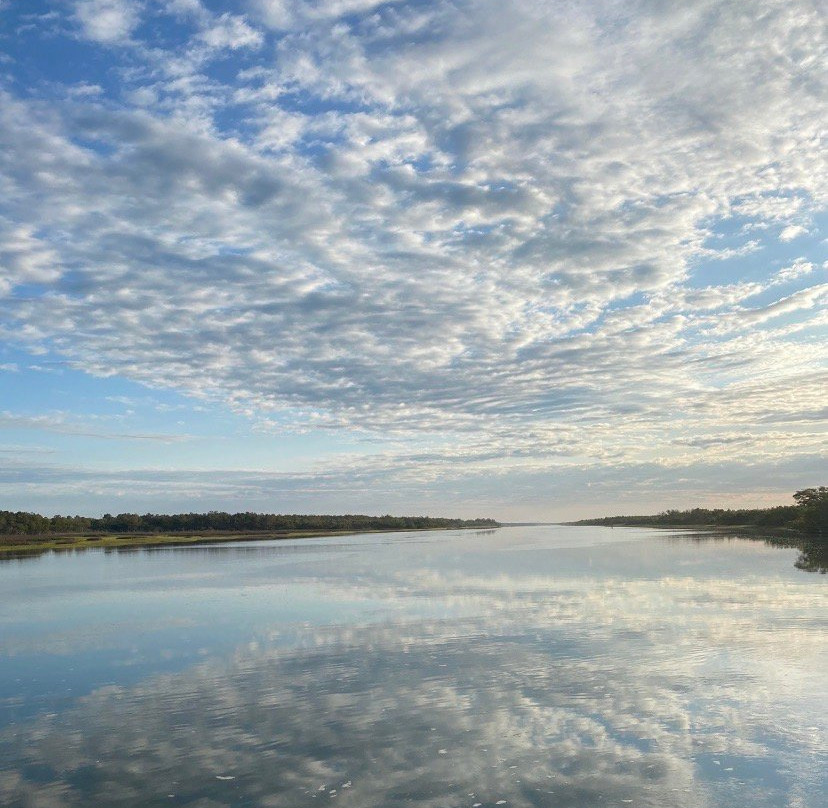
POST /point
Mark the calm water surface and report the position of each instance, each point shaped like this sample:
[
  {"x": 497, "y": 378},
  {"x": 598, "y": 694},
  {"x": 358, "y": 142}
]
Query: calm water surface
[{"x": 530, "y": 666}]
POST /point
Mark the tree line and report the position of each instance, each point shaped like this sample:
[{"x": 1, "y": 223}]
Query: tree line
[
  {"x": 29, "y": 524},
  {"x": 809, "y": 515}
]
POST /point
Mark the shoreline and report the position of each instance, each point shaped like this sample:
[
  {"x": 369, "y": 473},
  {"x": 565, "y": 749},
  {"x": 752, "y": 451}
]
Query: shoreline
[
  {"x": 781, "y": 533},
  {"x": 34, "y": 545}
]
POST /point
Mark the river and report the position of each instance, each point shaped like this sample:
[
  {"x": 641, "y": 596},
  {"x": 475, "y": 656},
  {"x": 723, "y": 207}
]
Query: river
[{"x": 522, "y": 666}]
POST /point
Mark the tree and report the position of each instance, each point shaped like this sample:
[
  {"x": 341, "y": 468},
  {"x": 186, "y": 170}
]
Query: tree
[{"x": 812, "y": 507}]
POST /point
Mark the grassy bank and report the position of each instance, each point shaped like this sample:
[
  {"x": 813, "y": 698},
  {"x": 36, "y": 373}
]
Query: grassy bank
[{"x": 26, "y": 545}]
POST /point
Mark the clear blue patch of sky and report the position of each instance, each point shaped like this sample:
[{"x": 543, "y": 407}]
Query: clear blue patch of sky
[
  {"x": 771, "y": 255},
  {"x": 41, "y": 52},
  {"x": 165, "y": 31},
  {"x": 308, "y": 104},
  {"x": 224, "y": 68},
  {"x": 635, "y": 299},
  {"x": 99, "y": 147},
  {"x": 44, "y": 383},
  {"x": 116, "y": 422},
  {"x": 22, "y": 291}
]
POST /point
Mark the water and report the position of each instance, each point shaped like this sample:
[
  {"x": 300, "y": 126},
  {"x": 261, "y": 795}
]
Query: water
[{"x": 540, "y": 666}]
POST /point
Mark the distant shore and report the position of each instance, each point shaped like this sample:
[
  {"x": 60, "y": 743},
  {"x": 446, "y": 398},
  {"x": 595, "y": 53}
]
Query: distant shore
[
  {"x": 807, "y": 517},
  {"x": 31, "y": 545},
  {"x": 706, "y": 527},
  {"x": 27, "y": 532},
  {"x": 803, "y": 526}
]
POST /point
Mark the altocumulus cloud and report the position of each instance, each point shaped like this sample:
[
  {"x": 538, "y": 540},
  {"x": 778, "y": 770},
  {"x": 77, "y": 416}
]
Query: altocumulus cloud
[{"x": 531, "y": 234}]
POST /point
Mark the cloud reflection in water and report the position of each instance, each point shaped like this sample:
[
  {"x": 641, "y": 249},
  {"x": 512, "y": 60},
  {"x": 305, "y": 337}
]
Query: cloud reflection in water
[{"x": 541, "y": 691}]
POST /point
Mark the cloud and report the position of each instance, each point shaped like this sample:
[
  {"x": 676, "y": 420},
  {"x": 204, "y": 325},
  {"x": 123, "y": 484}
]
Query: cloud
[
  {"x": 421, "y": 224},
  {"x": 66, "y": 424},
  {"x": 804, "y": 299},
  {"x": 287, "y": 14},
  {"x": 24, "y": 258},
  {"x": 108, "y": 22},
  {"x": 792, "y": 231},
  {"x": 232, "y": 32},
  {"x": 506, "y": 485},
  {"x": 187, "y": 8},
  {"x": 798, "y": 269}
]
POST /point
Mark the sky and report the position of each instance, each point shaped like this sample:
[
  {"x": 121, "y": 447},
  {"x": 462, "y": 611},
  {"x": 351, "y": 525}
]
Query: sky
[{"x": 512, "y": 258}]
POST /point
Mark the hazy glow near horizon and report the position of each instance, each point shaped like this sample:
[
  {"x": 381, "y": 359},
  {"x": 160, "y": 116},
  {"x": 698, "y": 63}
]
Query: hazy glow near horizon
[{"x": 501, "y": 257}]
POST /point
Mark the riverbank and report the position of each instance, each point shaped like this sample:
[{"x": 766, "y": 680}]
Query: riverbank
[
  {"x": 30, "y": 545},
  {"x": 806, "y": 518},
  {"x": 783, "y": 533}
]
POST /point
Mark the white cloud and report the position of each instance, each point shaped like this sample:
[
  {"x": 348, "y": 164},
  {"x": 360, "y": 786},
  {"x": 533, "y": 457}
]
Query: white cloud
[
  {"x": 792, "y": 231},
  {"x": 409, "y": 221},
  {"x": 284, "y": 14},
  {"x": 230, "y": 31},
  {"x": 798, "y": 269},
  {"x": 804, "y": 299},
  {"x": 25, "y": 258},
  {"x": 108, "y": 21},
  {"x": 187, "y": 8},
  {"x": 86, "y": 427}
]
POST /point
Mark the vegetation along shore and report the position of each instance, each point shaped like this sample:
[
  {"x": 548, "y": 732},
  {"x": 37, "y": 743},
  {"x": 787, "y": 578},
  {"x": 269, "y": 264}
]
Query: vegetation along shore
[
  {"x": 24, "y": 531},
  {"x": 807, "y": 517},
  {"x": 803, "y": 524}
]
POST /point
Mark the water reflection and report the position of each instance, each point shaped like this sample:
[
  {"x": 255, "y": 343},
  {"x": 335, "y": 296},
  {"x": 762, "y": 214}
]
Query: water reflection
[
  {"x": 541, "y": 680},
  {"x": 814, "y": 557}
]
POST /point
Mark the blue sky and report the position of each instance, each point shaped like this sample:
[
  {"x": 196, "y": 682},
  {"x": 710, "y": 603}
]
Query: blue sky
[{"x": 508, "y": 258}]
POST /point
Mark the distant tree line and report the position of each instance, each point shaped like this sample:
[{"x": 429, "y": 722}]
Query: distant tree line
[
  {"x": 809, "y": 515},
  {"x": 29, "y": 524}
]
